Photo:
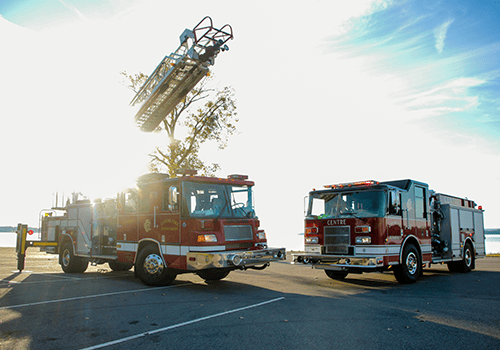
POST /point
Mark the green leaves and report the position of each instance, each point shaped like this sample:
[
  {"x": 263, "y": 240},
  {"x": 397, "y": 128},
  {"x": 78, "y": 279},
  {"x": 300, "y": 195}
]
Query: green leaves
[{"x": 213, "y": 121}]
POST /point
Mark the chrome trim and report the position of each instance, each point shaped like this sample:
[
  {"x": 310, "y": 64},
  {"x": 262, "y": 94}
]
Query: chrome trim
[
  {"x": 340, "y": 262},
  {"x": 233, "y": 258}
]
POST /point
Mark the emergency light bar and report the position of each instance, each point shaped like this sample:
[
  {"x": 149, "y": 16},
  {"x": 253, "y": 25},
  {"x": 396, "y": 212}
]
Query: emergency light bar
[
  {"x": 351, "y": 184},
  {"x": 184, "y": 172},
  {"x": 237, "y": 177}
]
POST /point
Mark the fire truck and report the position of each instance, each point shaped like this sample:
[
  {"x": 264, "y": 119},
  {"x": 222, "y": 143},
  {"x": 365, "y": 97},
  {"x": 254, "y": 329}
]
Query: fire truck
[
  {"x": 163, "y": 227},
  {"x": 398, "y": 226}
]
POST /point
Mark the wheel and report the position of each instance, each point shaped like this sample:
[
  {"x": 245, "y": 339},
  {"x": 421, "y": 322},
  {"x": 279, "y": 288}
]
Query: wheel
[
  {"x": 119, "y": 266},
  {"x": 410, "y": 268},
  {"x": 467, "y": 263},
  {"x": 336, "y": 275},
  {"x": 213, "y": 274},
  {"x": 71, "y": 263},
  {"x": 151, "y": 269}
]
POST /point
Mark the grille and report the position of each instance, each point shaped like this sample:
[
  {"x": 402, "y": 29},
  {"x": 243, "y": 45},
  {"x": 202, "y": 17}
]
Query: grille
[
  {"x": 238, "y": 232},
  {"x": 337, "y": 239}
]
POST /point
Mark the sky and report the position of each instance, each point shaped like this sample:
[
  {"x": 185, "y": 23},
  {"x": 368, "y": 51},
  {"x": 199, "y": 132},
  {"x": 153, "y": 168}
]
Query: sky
[{"x": 327, "y": 92}]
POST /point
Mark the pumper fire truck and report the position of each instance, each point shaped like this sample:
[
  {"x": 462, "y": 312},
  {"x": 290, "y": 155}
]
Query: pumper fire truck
[
  {"x": 163, "y": 227},
  {"x": 394, "y": 225}
]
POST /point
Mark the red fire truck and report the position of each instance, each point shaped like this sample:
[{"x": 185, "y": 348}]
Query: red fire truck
[
  {"x": 394, "y": 225},
  {"x": 163, "y": 227}
]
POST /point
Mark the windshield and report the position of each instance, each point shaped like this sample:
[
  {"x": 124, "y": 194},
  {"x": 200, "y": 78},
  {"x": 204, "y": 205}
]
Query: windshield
[
  {"x": 361, "y": 204},
  {"x": 202, "y": 200}
]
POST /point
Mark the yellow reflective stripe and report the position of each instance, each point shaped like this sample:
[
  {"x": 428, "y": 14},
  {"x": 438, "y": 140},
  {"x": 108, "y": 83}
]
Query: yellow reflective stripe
[{"x": 44, "y": 244}]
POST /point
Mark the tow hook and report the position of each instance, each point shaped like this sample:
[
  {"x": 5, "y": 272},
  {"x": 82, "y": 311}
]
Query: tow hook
[{"x": 259, "y": 267}]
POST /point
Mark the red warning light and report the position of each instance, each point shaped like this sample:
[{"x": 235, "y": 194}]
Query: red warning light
[{"x": 30, "y": 232}]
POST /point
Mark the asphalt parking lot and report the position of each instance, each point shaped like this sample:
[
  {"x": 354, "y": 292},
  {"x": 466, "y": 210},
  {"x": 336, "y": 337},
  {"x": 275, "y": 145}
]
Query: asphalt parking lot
[{"x": 283, "y": 307}]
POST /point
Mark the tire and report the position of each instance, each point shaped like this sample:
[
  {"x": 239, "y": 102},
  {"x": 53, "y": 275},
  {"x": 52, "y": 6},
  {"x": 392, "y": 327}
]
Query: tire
[
  {"x": 151, "y": 269},
  {"x": 213, "y": 274},
  {"x": 120, "y": 266},
  {"x": 71, "y": 263},
  {"x": 467, "y": 264},
  {"x": 411, "y": 267},
  {"x": 336, "y": 275}
]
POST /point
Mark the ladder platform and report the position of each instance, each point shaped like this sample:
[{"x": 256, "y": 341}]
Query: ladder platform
[{"x": 178, "y": 73}]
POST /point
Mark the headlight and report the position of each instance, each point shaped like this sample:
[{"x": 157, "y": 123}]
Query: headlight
[
  {"x": 261, "y": 234},
  {"x": 363, "y": 240},
  {"x": 311, "y": 240},
  {"x": 210, "y": 238}
]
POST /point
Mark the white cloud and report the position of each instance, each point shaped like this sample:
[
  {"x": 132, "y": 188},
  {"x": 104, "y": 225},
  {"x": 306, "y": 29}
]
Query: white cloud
[
  {"x": 73, "y": 9},
  {"x": 440, "y": 34},
  {"x": 450, "y": 96}
]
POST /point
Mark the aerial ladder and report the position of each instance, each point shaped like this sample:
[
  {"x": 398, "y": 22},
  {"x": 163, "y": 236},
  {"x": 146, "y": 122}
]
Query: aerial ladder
[{"x": 178, "y": 73}]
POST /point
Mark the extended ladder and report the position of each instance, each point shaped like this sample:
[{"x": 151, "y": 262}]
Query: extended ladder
[{"x": 178, "y": 73}]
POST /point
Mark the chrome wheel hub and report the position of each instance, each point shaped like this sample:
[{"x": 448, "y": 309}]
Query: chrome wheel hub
[
  {"x": 411, "y": 263},
  {"x": 153, "y": 264},
  {"x": 66, "y": 257},
  {"x": 468, "y": 257}
]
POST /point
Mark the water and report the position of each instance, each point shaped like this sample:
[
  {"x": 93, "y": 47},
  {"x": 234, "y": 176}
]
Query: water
[
  {"x": 8, "y": 239},
  {"x": 492, "y": 244}
]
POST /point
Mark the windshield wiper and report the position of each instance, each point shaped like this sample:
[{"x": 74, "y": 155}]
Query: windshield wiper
[{"x": 226, "y": 200}]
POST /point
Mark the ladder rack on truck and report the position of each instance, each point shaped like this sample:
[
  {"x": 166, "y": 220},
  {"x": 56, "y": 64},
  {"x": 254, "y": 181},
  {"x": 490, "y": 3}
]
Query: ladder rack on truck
[{"x": 178, "y": 73}]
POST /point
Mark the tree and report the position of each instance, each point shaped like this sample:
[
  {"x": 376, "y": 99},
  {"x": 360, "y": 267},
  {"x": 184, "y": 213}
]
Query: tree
[{"x": 213, "y": 121}]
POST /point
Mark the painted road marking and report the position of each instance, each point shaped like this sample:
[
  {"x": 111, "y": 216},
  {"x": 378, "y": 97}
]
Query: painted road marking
[
  {"x": 62, "y": 276},
  {"x": 93, "y": 296},
  {"x": 118, "y": 341}
]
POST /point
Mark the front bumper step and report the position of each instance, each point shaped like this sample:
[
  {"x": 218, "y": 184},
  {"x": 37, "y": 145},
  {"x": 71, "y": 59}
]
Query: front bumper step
[{"x": 233, "y": 258}]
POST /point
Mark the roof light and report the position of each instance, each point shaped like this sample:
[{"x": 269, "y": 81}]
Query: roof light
[
  {"x": 184, "y": 172},
  {"x": 237, "y": 177},
  {"x": 351, "y": 184}
]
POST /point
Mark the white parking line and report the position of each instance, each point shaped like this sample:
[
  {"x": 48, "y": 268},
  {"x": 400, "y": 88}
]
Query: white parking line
[
  {"x": 61, "y": 276},
  {"x": 92, "y": 296},
  {"x": 118, "y": 341}
]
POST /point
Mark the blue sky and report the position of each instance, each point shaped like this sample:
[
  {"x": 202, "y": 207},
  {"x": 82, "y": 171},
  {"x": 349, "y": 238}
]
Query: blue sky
[
  {"x": 327, "y": 92},
  {"x": 449, "y": 51}
]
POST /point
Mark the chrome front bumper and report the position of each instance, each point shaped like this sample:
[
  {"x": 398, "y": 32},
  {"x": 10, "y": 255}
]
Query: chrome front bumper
[
  {"x": 337, "y": 262},
  {"x": 233, "y": 258}
]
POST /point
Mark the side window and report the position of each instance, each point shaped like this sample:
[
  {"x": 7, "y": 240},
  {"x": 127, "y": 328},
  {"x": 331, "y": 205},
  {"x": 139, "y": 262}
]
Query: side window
[
  {"x": 144, "y": 200},
  {"x": 394, "y": 203},
  {"x": 420, "y": 209},
  {"x": 130, "y": 201},
  {"x": 170, "y": 198}
]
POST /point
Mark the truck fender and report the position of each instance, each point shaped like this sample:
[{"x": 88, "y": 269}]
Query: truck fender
[
  {"x": 471, "y": 241},
  {"x": 408, "y": 239},
  {"x": 146, "y": 241}
]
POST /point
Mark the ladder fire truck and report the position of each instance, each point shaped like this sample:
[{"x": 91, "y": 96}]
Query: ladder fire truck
[
  {"x": 162, "y": 227},
  {"x": 165, "y": 226},
  {"x": 394, "y": 225}
]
